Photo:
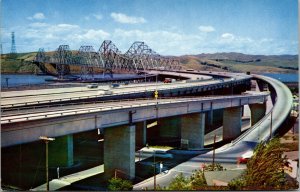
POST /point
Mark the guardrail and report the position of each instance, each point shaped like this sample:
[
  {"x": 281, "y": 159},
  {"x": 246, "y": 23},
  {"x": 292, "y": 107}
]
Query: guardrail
[
  {"x": 108, "y": 101},
  {"x": 105, "y": 108}
]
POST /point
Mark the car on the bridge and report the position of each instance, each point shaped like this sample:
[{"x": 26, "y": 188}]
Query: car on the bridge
[
  {"x": 93, "y": 85},
  {"x": 114, "y": 85}
]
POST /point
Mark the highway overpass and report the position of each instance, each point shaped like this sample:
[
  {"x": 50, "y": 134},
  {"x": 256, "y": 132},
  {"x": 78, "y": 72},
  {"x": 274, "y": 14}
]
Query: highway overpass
[{"x": 121, "y": 118}]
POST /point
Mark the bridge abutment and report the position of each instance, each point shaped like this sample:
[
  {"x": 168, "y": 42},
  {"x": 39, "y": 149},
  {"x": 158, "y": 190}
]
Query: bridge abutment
[
  {"x": 119, "y": 152},
  {"x": 258, "y": 111},
  {"x": 232, "y": 122},
  {"x": 192, "y": 129}
]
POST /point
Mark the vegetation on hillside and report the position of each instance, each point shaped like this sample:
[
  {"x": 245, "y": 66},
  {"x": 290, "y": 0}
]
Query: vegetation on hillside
[
  {"x": 19, "y": 63},
  {"x": 265, "y": 170},
  {"x": 117, "y": 184},
  {"x": 238, "y": 62},
  {"x": 195, "y": 182}
]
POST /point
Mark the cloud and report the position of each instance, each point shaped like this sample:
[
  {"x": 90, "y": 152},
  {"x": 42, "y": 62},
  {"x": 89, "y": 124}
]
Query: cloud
[
  {"x": 206, "y": 29},
  {"x": 122, "y": 18},
  {"x": 161, "y": 41},
  {"x": 92, "y": 34},
  {"x": 98, "y": 16},
  {"x": 50, "y": 36},
  {"x": 227, "y": 36},
  {"x": 65, "y": 27},
  {"x": 165, "y": 42},
  {"x": 37, "y": 16},
  {"x": 38, "y": 24}
]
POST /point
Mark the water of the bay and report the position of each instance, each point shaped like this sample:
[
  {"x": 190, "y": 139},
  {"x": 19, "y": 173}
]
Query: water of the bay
[{"x": 13, "y": 80}]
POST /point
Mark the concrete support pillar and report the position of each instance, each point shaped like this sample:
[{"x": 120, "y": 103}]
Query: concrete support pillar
[
  {"x": 61, "y": 151},
  {"x": 192, "y": 129},
  {"x": 273, "y": 94},
  {"x": 258, "y": 111},
  {"x": 214, "y": 117},
  {"x": 169, "y": 127},
  {"x": 210, "y": 117},
  {"x": 232, "y": 123},
  {"x": 119, "y": 151},
  {"x": 141, "y": 134},
  {"x": 243, "y": 110},
  {"x": 260, "y": 85}
]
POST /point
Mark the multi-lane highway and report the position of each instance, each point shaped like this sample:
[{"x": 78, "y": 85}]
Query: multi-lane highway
[{"x": 22, "y": 98}]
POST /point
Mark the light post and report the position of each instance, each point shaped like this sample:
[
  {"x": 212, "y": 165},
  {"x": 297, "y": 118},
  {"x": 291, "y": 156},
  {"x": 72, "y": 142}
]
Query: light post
[
  {"x": 271, "y": 125},
  {"x": 46, "y": 140},
  {"x": 154, "y": 170},
  {"x": 214, "y": 147},
  {"x": 6, "y": 79},
  {"x": 156, "y": 92}
]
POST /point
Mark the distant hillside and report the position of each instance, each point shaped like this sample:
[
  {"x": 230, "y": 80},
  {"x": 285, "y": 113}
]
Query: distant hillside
[
  {"x": 18, "y": 64},
  {"x": 234, "y": 62},
  {"x": 239, "y": 62}
]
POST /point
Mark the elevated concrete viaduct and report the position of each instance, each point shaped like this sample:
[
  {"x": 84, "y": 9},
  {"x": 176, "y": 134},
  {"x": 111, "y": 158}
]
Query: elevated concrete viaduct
[{"x": 122, "y": 122}]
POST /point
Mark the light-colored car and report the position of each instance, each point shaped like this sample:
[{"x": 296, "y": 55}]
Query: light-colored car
[
  {"x": 108, "y": 92},
  {"x": 92, "y": 86}
]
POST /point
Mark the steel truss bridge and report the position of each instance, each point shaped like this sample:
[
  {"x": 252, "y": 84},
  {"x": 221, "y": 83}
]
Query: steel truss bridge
[{"x": 139, "y": 57}]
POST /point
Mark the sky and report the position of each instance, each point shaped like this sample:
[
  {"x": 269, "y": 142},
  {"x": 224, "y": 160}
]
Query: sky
[{"x": 169, "y": 27}]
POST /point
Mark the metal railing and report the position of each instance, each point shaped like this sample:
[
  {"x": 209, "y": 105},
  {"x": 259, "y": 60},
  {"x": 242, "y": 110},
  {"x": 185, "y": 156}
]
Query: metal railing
[{"x": 116, "y": 94}]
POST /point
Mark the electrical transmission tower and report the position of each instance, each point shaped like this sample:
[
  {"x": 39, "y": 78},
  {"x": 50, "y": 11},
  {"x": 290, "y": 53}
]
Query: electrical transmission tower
[{"x": 13, "y": 50}]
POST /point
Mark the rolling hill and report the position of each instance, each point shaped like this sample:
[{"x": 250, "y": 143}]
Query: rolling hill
[{"x": 234, "y": 62}]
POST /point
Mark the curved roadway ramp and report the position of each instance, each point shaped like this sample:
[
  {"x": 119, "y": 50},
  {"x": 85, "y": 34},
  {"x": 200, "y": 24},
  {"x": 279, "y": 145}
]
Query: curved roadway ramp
[{"x": 229, "y": 153}]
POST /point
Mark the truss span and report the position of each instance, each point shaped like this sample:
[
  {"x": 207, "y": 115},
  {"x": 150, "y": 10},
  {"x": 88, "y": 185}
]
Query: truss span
[{"x": 139, "y": 57}]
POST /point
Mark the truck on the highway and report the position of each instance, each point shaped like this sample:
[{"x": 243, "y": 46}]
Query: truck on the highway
[{"x": 169, "y": 80}]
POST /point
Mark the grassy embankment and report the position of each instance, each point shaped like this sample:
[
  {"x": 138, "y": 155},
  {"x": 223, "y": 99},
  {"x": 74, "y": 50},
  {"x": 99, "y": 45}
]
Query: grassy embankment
[{"x": 237, "y": 62}]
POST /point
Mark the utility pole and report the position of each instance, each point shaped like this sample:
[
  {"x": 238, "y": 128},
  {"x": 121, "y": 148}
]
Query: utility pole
[
  {"x": 213, "y": 163},
  {"x": 271, "y": 125},
  {"x": 46, "y": 140},
  {"x": 154, "y": 171},
  {"x": 6, "y": 79}
]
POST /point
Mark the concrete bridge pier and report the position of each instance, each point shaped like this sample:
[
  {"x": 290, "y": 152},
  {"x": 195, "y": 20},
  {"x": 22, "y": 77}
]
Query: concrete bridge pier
[
  {"x": 273, "y": 94},
  {"x": 192, "y": 129},
  {"x": 169, "y": 127},
  {"x": 261, "y": 85},
  {"x": 214, "y": 118},
  {"x": 141, "y": 134},
  {"x": 61, "y": 152},
  {"x": 232, "y": 123},
  {"x": 258, "y": 111},
  {"x": 119, "y": 151}
]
